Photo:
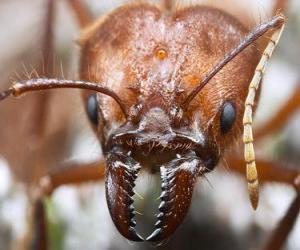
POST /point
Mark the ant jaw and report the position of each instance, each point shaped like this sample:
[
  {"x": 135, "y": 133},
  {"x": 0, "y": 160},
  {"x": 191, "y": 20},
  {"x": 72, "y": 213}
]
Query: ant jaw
[
  {"x": 177, "y": 182},
  {"x": 182, "y": 157},
  {"x": 121, "y": 174},
  {"x": 178, "y": 179}
]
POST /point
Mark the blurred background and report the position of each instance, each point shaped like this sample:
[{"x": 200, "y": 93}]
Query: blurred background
[{"x": 220, "y": 216}]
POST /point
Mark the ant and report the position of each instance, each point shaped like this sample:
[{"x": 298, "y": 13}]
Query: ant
[{"x": 166, "y": 89}]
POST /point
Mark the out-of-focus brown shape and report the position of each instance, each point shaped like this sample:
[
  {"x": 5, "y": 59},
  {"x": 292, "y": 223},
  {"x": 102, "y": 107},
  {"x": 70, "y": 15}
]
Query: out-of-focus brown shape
[
  {"x": 281, "y": 117},
  {"x": 72, "y": 174},
  {"x": 280, "y": 6},
  {"x": 285, "y": 226},
  {"x": 34, "y": 129},
  {"x": 268, "y": 171},
  {"x": 82, "y": 13},
  {"x": 28, "y": 158}
]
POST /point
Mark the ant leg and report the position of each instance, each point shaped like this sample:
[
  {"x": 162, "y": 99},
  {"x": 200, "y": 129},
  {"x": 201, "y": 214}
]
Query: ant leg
[
  {"x": 281, "y": 117},
  {"x": 269, "y": 171},
  {"x": 47, "y": 42},
  {"x": 83, "y": 15},
  {"x": 43, "y": 99},
  {"x": 67, "y": 175},
  {"x": 285, "y": 226},
  {"x": 274, "y": 172},
  {"x": 74, "y": 174},
  {"x": 39, "y": 241}
]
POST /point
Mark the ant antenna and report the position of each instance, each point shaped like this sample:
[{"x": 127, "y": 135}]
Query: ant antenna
[
  {"x": 249, "y": 153},
  {"x": 22, "y": 87},
  {"x": 256, "y": 33},
  {"x": 277, "y": 23}
]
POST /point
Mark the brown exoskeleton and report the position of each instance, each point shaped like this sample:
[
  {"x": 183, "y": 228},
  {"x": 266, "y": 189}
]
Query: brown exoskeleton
[{"x": 174, "y": 88}]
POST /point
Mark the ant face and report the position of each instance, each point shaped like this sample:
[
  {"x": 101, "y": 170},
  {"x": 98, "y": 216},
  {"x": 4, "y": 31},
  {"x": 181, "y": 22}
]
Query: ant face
[
  {"x": 174, "y": 90},
  {"x": 154, "y": 61}
]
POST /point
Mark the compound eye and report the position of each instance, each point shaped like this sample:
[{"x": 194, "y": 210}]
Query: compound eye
[
  {"x": 227, "y": 118},
  {"x": 91, "y": 109}
]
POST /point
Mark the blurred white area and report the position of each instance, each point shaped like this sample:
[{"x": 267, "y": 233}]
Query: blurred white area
[
  {"x": 13, "y": 203},
  {"x": 83, "y": 210}
]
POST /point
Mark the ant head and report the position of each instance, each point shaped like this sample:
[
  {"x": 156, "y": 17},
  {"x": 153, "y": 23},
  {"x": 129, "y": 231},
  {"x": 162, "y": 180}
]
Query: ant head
[{"x": 182, "y": 134}]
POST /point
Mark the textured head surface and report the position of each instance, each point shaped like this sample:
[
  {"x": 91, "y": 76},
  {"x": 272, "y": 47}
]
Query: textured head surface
[
  {"x": 153, "y": 59},
  {"x": 149, "y": 56}
]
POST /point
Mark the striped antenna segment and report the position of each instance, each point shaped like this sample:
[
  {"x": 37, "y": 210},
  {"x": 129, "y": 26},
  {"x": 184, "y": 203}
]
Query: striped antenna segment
[{"x": 249, "y": 153}]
